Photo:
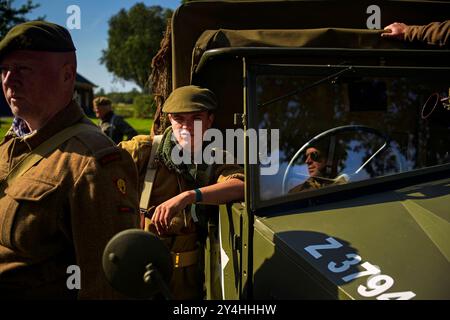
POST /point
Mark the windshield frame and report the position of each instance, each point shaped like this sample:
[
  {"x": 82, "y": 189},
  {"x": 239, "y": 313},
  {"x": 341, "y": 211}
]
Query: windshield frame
[{"x": 339, "y": 192}]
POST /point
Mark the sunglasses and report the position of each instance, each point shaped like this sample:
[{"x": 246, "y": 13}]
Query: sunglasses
[{"x": 315, "y": 156}]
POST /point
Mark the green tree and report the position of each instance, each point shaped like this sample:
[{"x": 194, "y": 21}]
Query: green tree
[
  {"x": 133, "y": 39},
  {"x": 123, "y": 97},
  {"x": 100, "y": 92},
  {"x": 9, "y": 16},
  {"x": 144, "y": 106}
]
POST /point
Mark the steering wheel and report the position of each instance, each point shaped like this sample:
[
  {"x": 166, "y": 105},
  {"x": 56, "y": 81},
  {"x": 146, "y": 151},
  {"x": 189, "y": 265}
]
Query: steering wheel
[{"x": 336, "y": 130}]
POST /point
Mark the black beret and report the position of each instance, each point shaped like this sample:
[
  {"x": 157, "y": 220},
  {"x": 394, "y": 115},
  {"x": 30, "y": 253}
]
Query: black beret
[{"x": 37, "y": 36}]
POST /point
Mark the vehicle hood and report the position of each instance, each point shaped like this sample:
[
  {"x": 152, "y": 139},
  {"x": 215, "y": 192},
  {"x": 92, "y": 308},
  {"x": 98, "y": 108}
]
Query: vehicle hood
[{"x": 404, "y": 233}]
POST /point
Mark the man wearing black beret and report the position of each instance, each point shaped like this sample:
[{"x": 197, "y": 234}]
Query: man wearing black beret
[{"x": 65, "y": 188}]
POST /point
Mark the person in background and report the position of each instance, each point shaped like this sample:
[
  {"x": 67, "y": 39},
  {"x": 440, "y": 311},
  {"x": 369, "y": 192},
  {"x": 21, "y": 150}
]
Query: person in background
[{"x": 114, "y": 126}]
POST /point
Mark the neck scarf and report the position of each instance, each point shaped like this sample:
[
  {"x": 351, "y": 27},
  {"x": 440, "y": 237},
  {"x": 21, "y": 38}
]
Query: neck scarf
[
  {"x": 164, "y": 155},
  {"x": 20, "y": 127}
]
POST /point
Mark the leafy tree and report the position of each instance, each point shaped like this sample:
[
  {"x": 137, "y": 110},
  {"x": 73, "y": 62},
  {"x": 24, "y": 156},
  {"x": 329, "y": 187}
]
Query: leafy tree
[
  {"x": 134, "y": 38},
  {"x": 9, "y": 16},
  {"x": 123, "y": 97},
  {"x": 100, "y": 92}
]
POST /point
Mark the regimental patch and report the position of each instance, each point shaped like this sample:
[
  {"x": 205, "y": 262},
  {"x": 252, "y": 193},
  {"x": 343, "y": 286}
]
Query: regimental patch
[
  {"x": 111, "y": 157},
  {"x": 122, "y": 186}
]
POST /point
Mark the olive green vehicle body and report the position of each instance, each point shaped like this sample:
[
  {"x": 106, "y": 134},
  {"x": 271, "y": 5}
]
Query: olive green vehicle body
[{"x": 264, "y": 248}]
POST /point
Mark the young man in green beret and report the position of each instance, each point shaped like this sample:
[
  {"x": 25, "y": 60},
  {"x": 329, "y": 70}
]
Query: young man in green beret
[
  {"x": 112, "y": 125},
  {"x": 65, "y": 188},
  {"x": 176, "y": 186}
]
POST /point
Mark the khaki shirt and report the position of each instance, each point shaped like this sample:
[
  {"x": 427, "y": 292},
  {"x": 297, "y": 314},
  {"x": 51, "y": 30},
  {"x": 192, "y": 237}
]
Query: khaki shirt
[
  {"x": 435, "y": 33},
  {"x": 186, "y": 283},
  {"x": 314, "y": 183},
  {"x": 63, "y": 211}
]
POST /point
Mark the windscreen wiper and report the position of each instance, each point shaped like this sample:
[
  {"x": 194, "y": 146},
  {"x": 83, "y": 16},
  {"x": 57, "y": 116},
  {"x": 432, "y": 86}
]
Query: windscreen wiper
[{"x": 333, "y": 77}]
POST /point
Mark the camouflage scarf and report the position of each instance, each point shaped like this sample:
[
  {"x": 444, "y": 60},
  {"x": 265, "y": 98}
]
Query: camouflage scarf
[{"x": 20, "y": 128}]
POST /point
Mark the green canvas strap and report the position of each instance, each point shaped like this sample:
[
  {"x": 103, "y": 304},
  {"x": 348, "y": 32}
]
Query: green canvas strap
[
  {"x": 150, "y": 175},
  {"x": 41, "y": 151}
]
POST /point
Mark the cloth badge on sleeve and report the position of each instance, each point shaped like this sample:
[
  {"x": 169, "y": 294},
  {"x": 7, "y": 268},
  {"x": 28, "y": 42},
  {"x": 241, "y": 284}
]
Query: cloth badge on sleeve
[{"x": 122, "y": 186}]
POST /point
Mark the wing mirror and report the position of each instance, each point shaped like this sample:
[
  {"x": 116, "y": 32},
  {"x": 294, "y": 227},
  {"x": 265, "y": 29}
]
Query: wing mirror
[
  {"x": 137, "y": 264},
  {"x": 437, "y": 108}
]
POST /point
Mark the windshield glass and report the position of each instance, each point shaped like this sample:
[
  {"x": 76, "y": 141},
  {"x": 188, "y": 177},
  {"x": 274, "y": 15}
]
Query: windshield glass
[{"x": 363, "y": 123}]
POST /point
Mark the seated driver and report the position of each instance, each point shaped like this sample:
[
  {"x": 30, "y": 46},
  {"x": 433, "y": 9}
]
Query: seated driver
[{"x": 319, "y": 169}]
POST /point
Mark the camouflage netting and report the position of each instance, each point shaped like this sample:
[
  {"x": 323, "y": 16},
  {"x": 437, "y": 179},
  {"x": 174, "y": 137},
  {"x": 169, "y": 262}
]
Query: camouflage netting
[{"x": 161, "y": 81}]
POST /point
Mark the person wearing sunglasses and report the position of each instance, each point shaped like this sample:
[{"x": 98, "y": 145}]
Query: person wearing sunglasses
[
  {"x": 315, "y": 162},
  {"x": 319, "y": 170}
]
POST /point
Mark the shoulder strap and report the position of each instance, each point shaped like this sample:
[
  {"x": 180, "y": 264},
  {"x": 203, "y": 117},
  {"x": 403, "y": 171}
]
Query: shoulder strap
[
  {"x": 150, "y": 174},
  {"x": 41, "y": 151}
]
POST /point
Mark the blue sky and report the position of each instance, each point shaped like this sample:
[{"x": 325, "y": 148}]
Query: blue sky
[{"x": 93, "y": 35}]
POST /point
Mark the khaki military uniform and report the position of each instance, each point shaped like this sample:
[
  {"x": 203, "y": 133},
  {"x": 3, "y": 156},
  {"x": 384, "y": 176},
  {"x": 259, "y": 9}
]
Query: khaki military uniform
[
  {"x": 116, "y": 127},
  {"x": 182, "y": 238},
  {"x": 314, "y": 183},
  {"x": 435, "y": 33},
  {"x": 63, "y": 211}
]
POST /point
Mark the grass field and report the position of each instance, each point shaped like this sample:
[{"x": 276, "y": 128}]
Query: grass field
[
  {"x": 142, "y": 126},
  {"x": 5, "y": 124}
]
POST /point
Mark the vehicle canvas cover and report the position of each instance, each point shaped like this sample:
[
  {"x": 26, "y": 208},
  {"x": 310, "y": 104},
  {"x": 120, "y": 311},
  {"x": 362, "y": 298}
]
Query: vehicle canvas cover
[
  {"x": 219, "y": 24},
  {"x": 286, "y": 38}
]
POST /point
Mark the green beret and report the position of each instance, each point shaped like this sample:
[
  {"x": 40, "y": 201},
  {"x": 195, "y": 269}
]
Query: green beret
[
  {"x": 102, "y": 101},
  {"x": 190, "y": 99},
  {"x": 37, "y": 36}
]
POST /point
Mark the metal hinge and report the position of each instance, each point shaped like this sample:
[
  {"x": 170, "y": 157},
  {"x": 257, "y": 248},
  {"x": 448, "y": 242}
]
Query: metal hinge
[
  {"x": 237, "y": 242},
  {"x": 240, "y": 119}
]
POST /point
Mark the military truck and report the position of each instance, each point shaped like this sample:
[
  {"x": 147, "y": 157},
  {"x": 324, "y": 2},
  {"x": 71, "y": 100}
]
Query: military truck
[{"x": 303, "y": 74}]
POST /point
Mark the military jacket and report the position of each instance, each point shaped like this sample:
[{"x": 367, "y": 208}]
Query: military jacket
[
  {"x": 182, "y": 235},
  {"x": 435, "y": 33},
  {"x": 167, "y": 183},
  {"x": 63, "y": 211},
  {"x": 116, "y": 127}
]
